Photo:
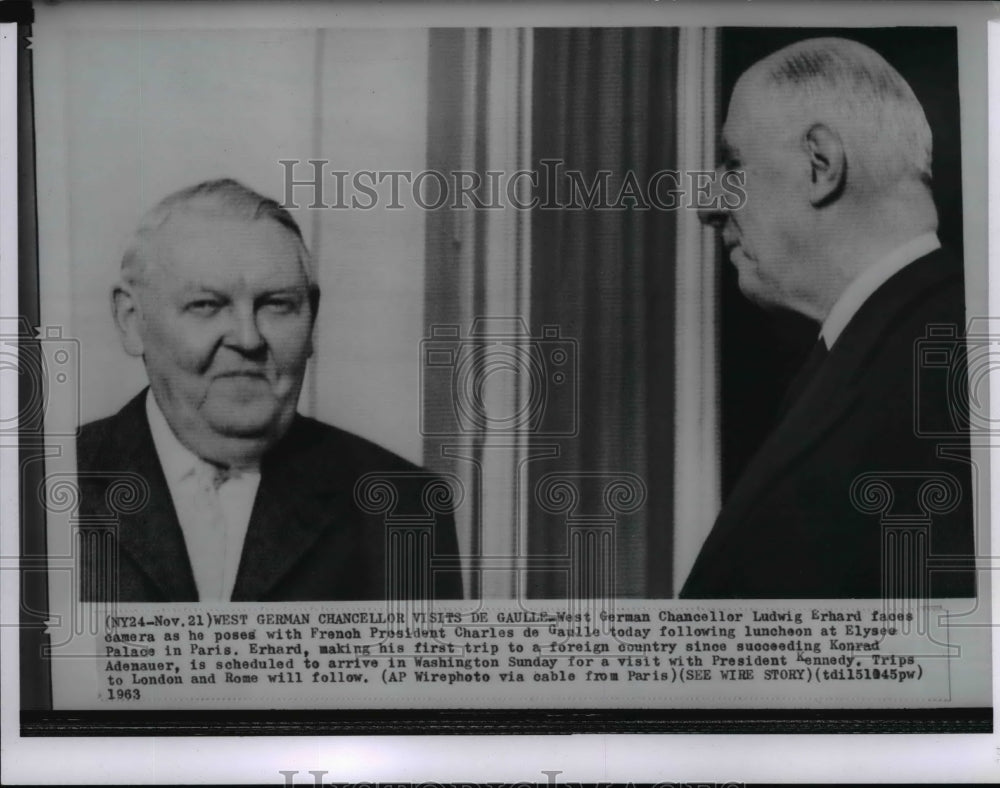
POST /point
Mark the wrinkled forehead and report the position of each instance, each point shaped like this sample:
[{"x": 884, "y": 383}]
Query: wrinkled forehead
[{"x": 197, "y": 247}]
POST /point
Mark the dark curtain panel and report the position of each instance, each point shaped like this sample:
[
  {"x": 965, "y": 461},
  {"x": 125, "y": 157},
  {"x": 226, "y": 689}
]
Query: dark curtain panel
[{"x": 605, "y": 100}]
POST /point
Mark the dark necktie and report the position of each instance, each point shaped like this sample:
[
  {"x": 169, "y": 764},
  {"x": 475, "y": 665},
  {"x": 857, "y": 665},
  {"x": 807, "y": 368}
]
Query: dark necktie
[{"x": 812, "y": 363}]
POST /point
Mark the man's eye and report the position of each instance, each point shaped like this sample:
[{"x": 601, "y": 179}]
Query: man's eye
[
  {"x": 204, "y": 306},
  {"x": 284, "y": 306}
]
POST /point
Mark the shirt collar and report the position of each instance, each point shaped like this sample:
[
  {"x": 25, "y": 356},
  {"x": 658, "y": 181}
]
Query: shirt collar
[
  {"x": 872, "y": 279},
  {"x": 177, "y": 459}
]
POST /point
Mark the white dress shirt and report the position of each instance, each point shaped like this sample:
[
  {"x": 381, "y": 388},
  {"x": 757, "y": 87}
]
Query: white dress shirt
[
  {"x": 862, "y": 288},
  {"x": 213, "y": 506}
]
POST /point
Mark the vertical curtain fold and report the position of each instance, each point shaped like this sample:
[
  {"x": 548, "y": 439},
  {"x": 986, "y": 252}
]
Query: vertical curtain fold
[
  {"x": 454, "y": 279},
  {"x": 604, "y": 101}
]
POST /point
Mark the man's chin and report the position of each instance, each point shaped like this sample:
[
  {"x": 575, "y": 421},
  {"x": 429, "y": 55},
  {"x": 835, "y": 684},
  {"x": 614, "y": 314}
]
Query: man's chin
[
  {"x": 751, "y": 286},
  {"x": 253, "y": 421}
]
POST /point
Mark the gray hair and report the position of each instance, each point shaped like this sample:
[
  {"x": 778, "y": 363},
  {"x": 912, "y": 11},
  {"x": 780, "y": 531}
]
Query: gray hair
[
  {"x": 848, "y": 81},
  {"x": 222, "y": 198}
]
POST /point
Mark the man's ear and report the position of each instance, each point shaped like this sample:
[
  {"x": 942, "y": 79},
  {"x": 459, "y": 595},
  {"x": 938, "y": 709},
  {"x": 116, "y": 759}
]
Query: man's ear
[
  {"x": 125, "y": 309},
  {"x": 828, "y": 164}
]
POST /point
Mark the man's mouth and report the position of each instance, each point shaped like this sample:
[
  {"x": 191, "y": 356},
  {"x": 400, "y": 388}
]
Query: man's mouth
[{"x": 243, "y": 373}]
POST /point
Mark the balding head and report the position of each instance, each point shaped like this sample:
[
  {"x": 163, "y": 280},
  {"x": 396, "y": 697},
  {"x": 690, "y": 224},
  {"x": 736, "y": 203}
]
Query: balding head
[
  {"x": 851, "y": 88},
  {"x": 224, "y": 198}
]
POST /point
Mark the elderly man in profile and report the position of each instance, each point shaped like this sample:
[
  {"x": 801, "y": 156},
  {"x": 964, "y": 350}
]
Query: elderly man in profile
[
  {"x": 839, "y": 224},
  {"x": 240, "y": 497}
]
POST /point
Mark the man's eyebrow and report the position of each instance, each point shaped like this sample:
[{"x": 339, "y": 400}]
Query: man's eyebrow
[
  {"x": 200, "y": 287},
  {"x": 289, "y": 288},
  {"x": 292, "y": 291},
  {"x": 280, "y": 293}
]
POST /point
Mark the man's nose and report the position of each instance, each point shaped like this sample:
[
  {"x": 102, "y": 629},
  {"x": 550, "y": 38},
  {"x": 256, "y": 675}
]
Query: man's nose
[{"x": 244, "y": 333}]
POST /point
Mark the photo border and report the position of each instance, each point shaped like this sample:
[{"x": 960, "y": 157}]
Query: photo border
[{"x": 38, "y": 722}]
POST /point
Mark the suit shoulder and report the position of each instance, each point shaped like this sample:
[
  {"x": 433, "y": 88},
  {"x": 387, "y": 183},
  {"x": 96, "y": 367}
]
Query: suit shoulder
[
  {"x": 943, "y": 298},
  {"x": 94, "y": 443},
  {"x": 925, "y": 301},
  {"x": 102, "y": 443},
  {"x": 935, "y": 313},
  {"x": 320, "y": 441}
]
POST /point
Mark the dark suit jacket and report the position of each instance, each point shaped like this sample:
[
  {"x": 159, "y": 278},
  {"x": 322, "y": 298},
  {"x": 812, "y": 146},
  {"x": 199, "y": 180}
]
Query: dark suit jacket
[
  {"x": 792, "y": 528},
  {"x": 308, "y": 537}
]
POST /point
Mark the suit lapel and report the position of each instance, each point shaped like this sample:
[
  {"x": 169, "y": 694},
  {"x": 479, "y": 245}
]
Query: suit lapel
[
  {"x": 824, "y": 402},
  {"x": 152, "y": 537},
  {"x": 833, "y": 391},
  {"x": 299, "y": 498}
]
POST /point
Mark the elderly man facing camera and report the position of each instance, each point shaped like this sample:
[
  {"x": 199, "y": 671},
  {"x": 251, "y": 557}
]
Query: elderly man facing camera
[
  {"x": 239, "y": 497},
  {"x": 839, "y": 224}
]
